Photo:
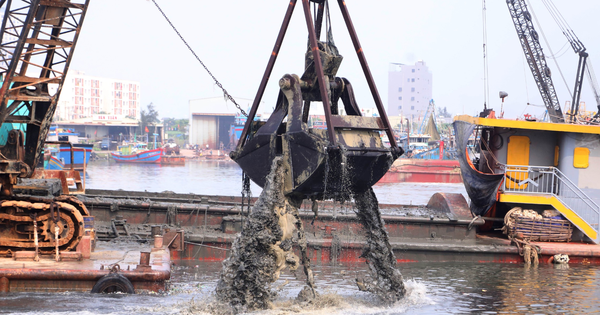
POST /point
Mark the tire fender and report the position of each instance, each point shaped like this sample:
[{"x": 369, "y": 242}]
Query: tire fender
[{"x": 112, "y": 283}]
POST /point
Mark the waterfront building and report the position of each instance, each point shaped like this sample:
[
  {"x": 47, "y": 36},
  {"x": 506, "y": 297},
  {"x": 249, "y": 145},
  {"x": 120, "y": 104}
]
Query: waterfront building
[
  {"x": 211, "y": 120},
  {"x": 84, "y": 96},
  {"x": 409, "y": 90}
]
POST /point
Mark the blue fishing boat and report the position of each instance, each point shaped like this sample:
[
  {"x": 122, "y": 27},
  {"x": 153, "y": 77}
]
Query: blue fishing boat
[
  {"x": 79, "y": 151},
  {"x": 53, "y": 163},
  {"x": 137, "y": 153}
]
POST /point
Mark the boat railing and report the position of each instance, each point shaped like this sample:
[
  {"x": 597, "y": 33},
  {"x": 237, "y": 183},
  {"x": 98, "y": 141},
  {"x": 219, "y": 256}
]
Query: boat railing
[{"x": 548, "y": 180}]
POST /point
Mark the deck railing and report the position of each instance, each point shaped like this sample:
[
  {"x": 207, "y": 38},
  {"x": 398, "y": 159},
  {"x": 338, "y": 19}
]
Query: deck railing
[{"x": 547, "y": 180}]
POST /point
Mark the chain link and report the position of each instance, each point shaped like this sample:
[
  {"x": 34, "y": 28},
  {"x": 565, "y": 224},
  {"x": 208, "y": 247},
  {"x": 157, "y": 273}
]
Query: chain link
[{"x": 202, "y": 63}]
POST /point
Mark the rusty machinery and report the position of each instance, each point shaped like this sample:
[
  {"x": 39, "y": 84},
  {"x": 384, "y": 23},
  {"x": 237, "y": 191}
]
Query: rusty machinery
[
  {"x": 345, "y": 158},
  {"x": 38, "y": 38}
]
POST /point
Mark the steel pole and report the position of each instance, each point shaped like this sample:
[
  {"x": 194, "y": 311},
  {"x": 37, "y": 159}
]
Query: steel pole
[
  {"x": 267, "y": 74},
  {"x": 367, "y": 72},
  {"x": 319, "y": 67}
]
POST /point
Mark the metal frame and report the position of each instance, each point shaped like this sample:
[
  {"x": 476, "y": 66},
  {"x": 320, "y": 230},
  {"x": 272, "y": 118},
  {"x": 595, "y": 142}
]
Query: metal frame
[
  {"x": 313, "y": 33},
  {"x": 534, "y": 54},
  {"x": 38, "y": 40},
  {"x": 548, "y": 180}
]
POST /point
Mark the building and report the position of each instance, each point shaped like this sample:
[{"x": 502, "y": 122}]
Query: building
[
  {"x": 84, "y": 96},
  {"x": 115, "y": 127},
  {"x": 211, "y": 120},
  {"x": 409, "y": 90}
]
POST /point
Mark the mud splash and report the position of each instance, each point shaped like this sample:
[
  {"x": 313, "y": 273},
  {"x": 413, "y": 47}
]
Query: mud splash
[
  {"x": 384, "y": 280},
  {"x": 264, "y": 249}
]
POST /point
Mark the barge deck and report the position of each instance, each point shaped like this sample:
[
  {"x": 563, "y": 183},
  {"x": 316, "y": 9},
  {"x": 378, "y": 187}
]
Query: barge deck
[
  {"x": 146, "y": 269},
  {"x": 442, "y": 231}
]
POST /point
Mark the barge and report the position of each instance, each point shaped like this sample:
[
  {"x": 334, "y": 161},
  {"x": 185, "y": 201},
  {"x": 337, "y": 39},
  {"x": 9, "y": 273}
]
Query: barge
[
  {"x": 122, "y": 266},
  {"x": 423, "y": 171},
  {"x": 444, "y": 230}
]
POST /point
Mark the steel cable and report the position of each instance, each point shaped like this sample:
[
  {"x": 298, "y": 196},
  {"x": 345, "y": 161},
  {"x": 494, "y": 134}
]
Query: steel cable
[{"x": 225, "y": 93}]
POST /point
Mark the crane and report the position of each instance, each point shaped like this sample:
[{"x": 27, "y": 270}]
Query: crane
[
  {"x": 37, "y": 40},
  {"x": 582, "y": 66},
  {"x": 530, "y": 43}
]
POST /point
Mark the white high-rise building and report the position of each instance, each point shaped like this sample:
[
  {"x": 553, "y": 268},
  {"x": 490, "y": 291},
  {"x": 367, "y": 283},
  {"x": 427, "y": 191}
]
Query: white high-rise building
[
  {"x": 409, "y": 90},
  {"x": 84, "y": 96}
]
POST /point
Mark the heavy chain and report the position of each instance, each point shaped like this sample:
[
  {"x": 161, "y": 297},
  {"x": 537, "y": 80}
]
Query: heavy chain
[
  {"x": 246, "y": 193},
  {"x": 202, "y": 63}
]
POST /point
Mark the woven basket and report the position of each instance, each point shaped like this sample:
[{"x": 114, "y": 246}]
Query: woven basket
[{"x": 547, "y": 229}]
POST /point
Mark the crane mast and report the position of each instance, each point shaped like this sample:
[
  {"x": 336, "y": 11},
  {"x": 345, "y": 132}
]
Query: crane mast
[
  {"x": 37, "y": 39},
  {"x": 530, "y": 43}
]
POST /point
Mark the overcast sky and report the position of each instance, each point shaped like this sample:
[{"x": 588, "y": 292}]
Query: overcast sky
[{"x": 130, "y": 40}]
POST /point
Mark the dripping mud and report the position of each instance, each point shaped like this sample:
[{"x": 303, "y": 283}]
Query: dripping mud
[{"x": 265, "y": 248}]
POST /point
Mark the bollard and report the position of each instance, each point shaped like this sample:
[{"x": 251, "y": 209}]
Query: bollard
[{"x": 158, "y": 241}]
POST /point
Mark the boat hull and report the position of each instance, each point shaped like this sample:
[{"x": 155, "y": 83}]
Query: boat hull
[
  {"x": 64, "y": 154},
  {"x": 423, "y": 171},
  {"x": 145, "y": 157}
]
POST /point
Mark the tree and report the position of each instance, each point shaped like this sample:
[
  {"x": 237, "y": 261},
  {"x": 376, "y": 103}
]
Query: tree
[{"x": 149, "y": 117}]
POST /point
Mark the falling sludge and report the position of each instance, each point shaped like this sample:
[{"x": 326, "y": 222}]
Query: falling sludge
[{"x": 264, "y": 249}]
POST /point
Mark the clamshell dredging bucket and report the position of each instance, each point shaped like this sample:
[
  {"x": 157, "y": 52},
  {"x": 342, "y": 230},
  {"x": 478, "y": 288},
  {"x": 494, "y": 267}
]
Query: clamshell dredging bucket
[{"x": 316, "y": 168}]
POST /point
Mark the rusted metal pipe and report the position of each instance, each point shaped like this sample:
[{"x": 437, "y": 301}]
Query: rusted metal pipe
[
  {"x": 158, "y": 241},
  {"x": 319, "y": 20},
  {"x": 319, "y": 68},
  {"x": 144, "y": 258},
  {"x": 267, "y": 74},
  {"x": 367, "y": 71}
]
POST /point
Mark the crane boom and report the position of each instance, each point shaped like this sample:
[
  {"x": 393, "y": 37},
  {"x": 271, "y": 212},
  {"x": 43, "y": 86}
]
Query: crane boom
[{"x": 530, "y": 43}]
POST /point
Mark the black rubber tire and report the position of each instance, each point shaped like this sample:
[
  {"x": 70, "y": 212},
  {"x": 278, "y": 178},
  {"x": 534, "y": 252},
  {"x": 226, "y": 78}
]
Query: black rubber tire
[{"x": 113, "y": 283}]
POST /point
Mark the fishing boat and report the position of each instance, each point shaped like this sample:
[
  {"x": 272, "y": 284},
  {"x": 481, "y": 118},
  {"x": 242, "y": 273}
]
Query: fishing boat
[
  {"x": 426, "y": 160},
  {"x": 137, "y": 153},
  {"x": 82, "y": 152},
  {"x": 53, "y": 163}
]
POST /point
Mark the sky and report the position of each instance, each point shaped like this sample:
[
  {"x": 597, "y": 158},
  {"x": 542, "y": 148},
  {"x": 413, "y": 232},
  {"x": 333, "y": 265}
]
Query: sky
[{"x": 131, "y": 40}]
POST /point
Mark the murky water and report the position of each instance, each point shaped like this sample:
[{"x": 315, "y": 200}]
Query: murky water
[
  {"x": 225, "y": 178},
  {"x": 431, "y": 289}
]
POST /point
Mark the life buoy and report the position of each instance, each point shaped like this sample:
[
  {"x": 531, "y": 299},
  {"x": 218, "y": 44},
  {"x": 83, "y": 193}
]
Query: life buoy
[{"x": 113, "y": 283}]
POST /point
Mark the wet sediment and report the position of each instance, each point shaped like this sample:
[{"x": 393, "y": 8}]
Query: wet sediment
[
  {"x": 264, "y": 249},
  {"x": 384, "y": 279}
]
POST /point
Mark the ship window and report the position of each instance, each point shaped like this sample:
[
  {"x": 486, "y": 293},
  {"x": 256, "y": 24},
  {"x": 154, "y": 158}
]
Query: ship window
[
  {"x": 556, "y": 151},
  {"x": 581, "y": 157}
]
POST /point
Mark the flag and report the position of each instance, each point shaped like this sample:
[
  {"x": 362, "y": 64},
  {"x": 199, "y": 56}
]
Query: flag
[{"x": 147, "y": 129}]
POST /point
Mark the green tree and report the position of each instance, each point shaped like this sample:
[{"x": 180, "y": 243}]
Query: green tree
[{"x": 149, "y": 117}]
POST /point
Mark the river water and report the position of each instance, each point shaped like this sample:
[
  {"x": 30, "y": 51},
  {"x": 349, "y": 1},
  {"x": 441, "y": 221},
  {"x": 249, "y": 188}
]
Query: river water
[
  {"x": 432, "y": 288},
  {"x": 225, "y": 178}
]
